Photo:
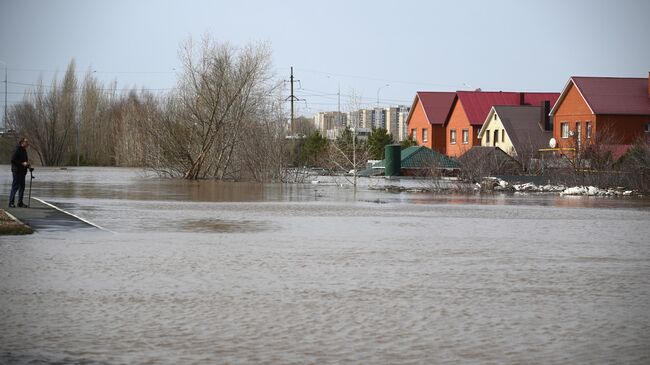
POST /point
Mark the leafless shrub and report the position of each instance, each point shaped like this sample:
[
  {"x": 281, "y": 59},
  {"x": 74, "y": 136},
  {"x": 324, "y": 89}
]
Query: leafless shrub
[
  {"x": 48, "y": 117},
  {"x": 598, "y": 162},
  {"x": 221, "y": 95},
  {"x": 480, "y": 162},
  {"x": 634, "y": 166}
]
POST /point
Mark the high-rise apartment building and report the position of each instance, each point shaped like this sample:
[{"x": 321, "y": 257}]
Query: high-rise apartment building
[
  {"x": 392, "y": 121},
  {"x": 379, "y": 118},
  {"x": 325, "y": 121},
  {"x": 402, "y": 119},
  {"x": 330, "y": 124}
]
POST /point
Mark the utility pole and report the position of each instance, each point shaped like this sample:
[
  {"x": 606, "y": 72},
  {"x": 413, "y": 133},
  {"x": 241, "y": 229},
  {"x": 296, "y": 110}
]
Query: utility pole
[
  {"x": 378, "y": 90},
  {"x": 354, "y": 159},
  {"x": 338, "y": 116},
  {"x": 292, "y": 98},
  {"x": 4, "y": 121}
]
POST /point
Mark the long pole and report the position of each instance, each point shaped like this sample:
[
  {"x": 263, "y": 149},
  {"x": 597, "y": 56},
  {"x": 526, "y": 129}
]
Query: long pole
[
  {"x": 338, "y": 116},
  {"x": 6, "y": 82},
  {"x": 354, "y": 157},
  {"x": 4, "y": 120},
  {"x": 292, "y": 99},
  {"x": 77, "y": 143},
  {"x": 379, "y": 89}
]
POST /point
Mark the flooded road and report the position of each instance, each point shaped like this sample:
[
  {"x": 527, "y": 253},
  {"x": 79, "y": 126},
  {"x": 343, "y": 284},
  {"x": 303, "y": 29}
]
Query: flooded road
[{"x": 211, "y": 273}]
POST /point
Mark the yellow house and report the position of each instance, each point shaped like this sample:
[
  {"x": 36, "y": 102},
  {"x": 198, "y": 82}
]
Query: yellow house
[{"x": 517, "y": 130}]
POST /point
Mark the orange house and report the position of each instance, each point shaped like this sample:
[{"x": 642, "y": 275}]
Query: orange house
[
  {"x": 426, "y": 122},
  {"x": 472, "y": 107},
  {"x": 604, "y": 110}
]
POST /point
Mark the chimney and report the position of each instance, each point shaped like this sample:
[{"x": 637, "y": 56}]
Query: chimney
[
  {"x": 522, "y": 98},
  {"x": 545, "y": 119}
]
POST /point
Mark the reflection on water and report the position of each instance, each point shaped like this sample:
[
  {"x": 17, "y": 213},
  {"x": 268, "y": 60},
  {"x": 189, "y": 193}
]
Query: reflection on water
[
  {"x": 225, "y": 226},
  {"x": 135, "y": 184},
  {"x": 205, "y": 273}
]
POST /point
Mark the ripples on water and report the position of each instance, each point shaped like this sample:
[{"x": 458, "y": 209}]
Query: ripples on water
[{"x": 208, "y": 274}]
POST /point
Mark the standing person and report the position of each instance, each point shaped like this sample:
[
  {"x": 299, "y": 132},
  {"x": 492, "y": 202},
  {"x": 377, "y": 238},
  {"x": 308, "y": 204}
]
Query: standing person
[{"x": 19, "y": 167}]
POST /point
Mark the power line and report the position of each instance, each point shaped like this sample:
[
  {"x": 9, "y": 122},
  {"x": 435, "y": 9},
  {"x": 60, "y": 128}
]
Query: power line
[
  {"x": 383, "y": 80},
  {"x": 101, "y": 89},
  {"x": 350, "y": 96},
  {"x": 173, "y": 71}
]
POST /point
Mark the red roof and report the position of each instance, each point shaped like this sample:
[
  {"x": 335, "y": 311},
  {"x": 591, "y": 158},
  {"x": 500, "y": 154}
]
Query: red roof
[
  {"x": 437, "y": 105},
  {"x": 477, "y": 104},
  {"x": 535, "y": 99},
  {"x": 615, "y": 95}
]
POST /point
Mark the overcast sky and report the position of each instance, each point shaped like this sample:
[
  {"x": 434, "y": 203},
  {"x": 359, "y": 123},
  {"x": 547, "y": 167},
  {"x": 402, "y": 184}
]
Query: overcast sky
[{"x": 360, "y": 45}]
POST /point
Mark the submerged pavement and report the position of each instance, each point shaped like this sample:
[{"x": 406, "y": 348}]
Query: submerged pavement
[{"x": 41, "y": 215}]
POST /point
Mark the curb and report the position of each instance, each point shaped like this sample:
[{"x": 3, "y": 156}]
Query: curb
[{"x": 20, "y": 228}]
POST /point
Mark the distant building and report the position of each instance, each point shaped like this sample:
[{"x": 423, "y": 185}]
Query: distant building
[
  {"x": 325, "y": 121},
  {"x": 379, "y": 118},
  {"x": 392, "y": 119},
  {"x": 363, "y": 133},
  {"x": 333, "y": 134},
  {"x": 402, "y": 122},
  {"x": 392, "y": 122},
  {"x": 367, "y": 117}
]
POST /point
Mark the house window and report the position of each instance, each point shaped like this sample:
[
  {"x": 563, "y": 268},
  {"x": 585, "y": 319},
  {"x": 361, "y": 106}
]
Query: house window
[
  {"x": 414, "y": 134},
  {"x": 503, "y": 135},
  {"x": 647, "y": 127},
  {"x": 425, "y": 135},
  {"x": 452, "y": 136},
  {"x": 465, "y": 136},
  {"x": 588, "y": 130},
  {"x": 495, "y": 140},
  {"x": 487, "y": 137},
  {"x": 564, "y": 127}
]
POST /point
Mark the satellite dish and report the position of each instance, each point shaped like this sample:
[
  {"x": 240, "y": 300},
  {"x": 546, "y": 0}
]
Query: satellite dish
[{"x": 552, "y": 143}]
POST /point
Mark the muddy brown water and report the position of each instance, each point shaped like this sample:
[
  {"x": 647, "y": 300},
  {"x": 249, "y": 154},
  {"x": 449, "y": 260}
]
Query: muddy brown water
[{"x": 208, "y": 273}]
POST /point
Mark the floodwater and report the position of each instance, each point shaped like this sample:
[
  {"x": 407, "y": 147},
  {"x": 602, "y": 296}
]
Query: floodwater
[{"x": 217, "y": 273}]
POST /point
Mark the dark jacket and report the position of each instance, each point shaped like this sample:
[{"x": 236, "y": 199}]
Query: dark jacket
[{"x": 17, "y": 158}]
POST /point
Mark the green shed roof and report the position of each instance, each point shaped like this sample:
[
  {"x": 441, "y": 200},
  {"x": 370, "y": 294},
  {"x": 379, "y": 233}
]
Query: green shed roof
[{"x": 420, "y": 157}]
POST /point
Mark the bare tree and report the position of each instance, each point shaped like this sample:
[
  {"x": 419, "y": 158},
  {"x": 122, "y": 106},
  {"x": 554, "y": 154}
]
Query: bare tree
[
  {"x": 218, "y": 93},
  {"x": 265, "y": 157},
  {"x": 96, "y": 141},
  {"x": 51, "y": 119}
]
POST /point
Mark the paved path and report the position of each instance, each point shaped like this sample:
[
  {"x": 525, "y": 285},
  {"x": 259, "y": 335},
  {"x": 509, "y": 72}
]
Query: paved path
[{"x": 42, "y": 215}]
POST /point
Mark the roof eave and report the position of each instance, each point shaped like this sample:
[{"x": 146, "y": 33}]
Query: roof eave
[
  {"x": 563, "y": 96},
  {"x": 486, "y": 122},
  {"x": 415, "y": 100}
]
